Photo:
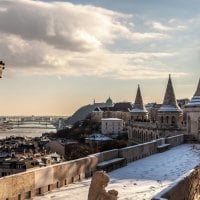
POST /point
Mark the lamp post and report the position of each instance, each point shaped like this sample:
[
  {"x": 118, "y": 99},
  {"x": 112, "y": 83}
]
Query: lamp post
[{"x": 2, "y": 64}]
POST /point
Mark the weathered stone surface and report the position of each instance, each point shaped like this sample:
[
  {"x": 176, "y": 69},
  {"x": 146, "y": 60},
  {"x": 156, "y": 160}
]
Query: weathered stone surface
[
  {"x": 39, "y": 181},
  {"x": 43, "y": 177},
  {"x": 187, "y": 188},
  {"x": 97, "y": 187}
]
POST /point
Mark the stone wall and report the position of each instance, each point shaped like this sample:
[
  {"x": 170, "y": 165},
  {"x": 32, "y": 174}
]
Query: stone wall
[
  {"x": 175, "y": 140},
  {"x": 185, "y": 188},
  {"x": 38, "y": 181},
  {"x": 138, "y": 151},
  {"x": 41, "y": 180}
]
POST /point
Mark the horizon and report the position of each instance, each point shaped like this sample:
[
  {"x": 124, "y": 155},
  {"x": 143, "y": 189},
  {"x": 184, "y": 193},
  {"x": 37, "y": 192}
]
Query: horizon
[{"x": 75, "y": 51}]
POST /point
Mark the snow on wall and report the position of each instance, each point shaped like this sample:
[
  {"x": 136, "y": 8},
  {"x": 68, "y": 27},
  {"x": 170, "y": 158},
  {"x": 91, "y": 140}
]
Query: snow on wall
[
  {"x": 186, "y": 187},
  {"x": 39, "y": 181},
  {"x": 141, "y": 179}
]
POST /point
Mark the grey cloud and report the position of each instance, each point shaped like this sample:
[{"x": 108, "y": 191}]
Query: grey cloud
[{"x": 66, "y": 39}]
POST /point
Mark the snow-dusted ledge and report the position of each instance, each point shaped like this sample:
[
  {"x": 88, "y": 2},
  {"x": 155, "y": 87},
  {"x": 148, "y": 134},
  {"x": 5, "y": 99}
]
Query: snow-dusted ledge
[
  {"x": 39, "y": 181},
  {"x": 186, "y": 187}
]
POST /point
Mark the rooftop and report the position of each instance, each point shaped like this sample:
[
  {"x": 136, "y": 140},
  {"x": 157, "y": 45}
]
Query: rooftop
[
  {"x": 195, "y": 101},
  {"x": 98, "y": 137},
  {"x": 169, "y": 103},
  {"x": 111, "y": 119},
  {"x": 138, "y": 105},
  {"x": 141, "y": 179}
]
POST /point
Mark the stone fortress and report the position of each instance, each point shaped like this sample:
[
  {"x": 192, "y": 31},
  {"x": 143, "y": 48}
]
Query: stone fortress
[
  {"x": 158, "y": 121},
  {"x": 153, "y": 121}
]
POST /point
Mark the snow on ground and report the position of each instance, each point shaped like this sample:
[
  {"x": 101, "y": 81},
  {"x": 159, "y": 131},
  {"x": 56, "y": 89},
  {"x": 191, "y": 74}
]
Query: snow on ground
[{"x": 141, "y": 179}]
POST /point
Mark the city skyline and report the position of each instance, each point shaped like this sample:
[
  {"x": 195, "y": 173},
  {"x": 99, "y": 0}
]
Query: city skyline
[{"x": 72, "y": 52}]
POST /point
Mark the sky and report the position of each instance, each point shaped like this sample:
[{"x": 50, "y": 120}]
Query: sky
[{"x": 60, "y": 55}]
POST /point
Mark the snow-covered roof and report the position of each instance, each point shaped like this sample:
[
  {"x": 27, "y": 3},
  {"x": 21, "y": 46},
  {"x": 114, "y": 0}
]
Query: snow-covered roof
[
  {"x": 98, "y": 137},
  {"x": 169, "y": 108},
  {"x": 111, "y": 119},
  {"x": 137, "y": 110},
  {"x": 195, "y": 102}
]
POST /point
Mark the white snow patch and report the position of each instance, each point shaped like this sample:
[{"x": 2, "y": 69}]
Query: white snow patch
[{"x": 139, "y": 180}]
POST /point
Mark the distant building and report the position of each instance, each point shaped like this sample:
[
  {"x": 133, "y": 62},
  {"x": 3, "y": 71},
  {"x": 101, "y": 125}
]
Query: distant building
[
  {"x": 111, "y": 126},
  {"x": 59, "y": 145},
  {"x": 193, "y": 114},
  {"x": 13, "y": 166},
  {"x": 138, "y": 112},
  {"x": 157, "y": 120},
  {"x": 118, "y": 110},
  {"x": 182, "y": 102},
  {"x": 109, "y": 102},
  {"x": 96, "y": 140},
  {"x": 83, "y": 112}
]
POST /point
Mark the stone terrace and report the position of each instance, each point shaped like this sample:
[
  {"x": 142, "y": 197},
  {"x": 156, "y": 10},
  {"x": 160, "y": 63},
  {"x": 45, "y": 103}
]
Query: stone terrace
[{"x": 141, "y": 179}]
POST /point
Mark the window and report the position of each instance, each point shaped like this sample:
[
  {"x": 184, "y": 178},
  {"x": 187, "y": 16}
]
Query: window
[
  {"x": 28, "y": 195},
  {"x": 189, "y": 124},
  {"x": 19, "y": 196},
  {"x": 173, "y": 120},
  {"x": 162, "y": 119},
  {"x": 167, "y": 119}
]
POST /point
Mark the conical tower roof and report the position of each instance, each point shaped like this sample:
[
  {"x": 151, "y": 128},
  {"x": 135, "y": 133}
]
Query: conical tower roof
[
  {"x": 195, "y": 101},
  {"x": 138, "y": 105},
  {"x": 197, "y": 93},
  {"x": 169, "y": 102}
]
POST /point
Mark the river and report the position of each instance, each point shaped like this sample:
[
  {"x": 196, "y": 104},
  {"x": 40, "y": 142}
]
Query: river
[{"x": 27, "y": 129}]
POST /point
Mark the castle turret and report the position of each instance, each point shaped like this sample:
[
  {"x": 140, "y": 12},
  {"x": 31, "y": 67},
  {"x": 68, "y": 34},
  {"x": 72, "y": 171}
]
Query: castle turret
[
  {"x": 193, "y": 114},
  {"x": 139, "y": 111},
  {"x": 195, "y": 101},
  {"x": 170, "y": 114}
]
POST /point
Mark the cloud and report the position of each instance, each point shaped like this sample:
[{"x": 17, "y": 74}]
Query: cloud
[
  {"x": 61, "y": 38},
  {"x": 160, "y": 27}
]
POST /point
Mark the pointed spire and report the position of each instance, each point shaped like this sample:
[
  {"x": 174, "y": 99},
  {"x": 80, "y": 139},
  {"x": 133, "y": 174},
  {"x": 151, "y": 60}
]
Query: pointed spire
[
  {"x": 170, "y": 98},
  {"x": 138, "y": 105},
  {"x": 195, "y": 101},
  {"x": 169, "y": 102},
  {"x": 197, "y": 93}
]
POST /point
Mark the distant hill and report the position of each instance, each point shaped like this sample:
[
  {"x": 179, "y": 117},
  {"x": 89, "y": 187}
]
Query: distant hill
[{"x": 82, "y": 113}]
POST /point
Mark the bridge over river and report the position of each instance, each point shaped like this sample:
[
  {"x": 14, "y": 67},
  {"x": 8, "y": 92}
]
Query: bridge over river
[{"x": 32, "y": 125}]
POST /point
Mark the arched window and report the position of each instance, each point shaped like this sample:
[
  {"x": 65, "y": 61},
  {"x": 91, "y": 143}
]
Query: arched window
[
  {"x": 173, "y": 120},
  {"x": 147, "y": 136},
  {"x": 151, "y": 135},
  {"x": 189, "y": 124},
  {"x": 162, "y": 119},
  {"x": 142, "y": 136},
  {"x": 167, "y": 119}
]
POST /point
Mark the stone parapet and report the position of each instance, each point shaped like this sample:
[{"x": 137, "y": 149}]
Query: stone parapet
[
  {"x": 34, "y": 182},
  {"x": 185, "y": 188}
]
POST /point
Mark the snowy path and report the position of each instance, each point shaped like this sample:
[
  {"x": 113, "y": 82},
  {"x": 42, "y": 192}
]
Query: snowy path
[{"x": 139, "y": 180}]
